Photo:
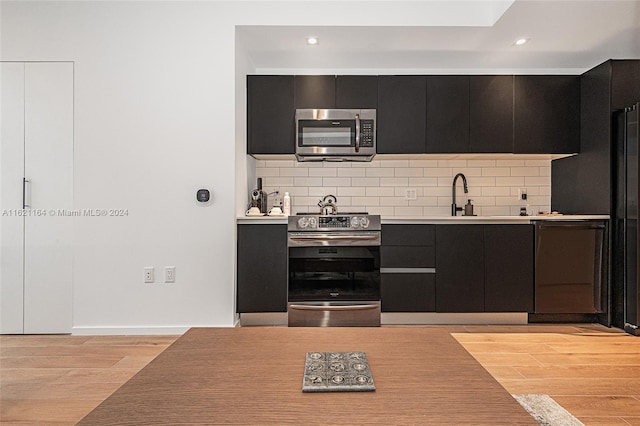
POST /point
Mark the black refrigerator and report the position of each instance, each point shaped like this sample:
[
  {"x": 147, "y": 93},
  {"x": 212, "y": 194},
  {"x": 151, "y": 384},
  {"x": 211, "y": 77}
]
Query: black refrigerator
[{"x": 625, "y": 290}]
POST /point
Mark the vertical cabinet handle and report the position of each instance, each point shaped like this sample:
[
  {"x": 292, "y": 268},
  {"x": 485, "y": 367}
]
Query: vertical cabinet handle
[{"x": 26, "y": 193}]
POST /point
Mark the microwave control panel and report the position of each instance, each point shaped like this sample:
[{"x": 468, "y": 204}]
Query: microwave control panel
[{"x": 366, "y": 132}]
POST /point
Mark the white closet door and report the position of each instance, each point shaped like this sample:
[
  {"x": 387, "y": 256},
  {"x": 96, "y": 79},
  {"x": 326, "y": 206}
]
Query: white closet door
[
  {"x": 48, "y": 239},
  {"x": 11, "y": 173}
]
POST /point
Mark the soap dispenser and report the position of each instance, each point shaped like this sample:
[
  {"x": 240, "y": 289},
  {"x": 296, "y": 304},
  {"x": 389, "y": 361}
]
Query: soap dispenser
[{"x": 468, "y": 208}]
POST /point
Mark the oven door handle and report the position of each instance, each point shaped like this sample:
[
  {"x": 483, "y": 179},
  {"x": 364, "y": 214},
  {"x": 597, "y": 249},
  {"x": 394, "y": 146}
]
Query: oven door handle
[
  {"x": 334, "y": 237},
  {"x": 334, "y": 307}
]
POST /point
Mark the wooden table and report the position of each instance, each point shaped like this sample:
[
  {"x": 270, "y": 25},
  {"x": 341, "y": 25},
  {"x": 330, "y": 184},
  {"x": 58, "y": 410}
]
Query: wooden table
[{"x": 253, "y": 375}]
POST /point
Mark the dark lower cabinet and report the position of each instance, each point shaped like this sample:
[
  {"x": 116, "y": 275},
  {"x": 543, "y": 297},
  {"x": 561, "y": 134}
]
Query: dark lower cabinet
[
  {"x": 484, "y": 268},
  {"x": 262, "y": 268},
  {"x": 270, "y": 114},
  {"x": 460, "y": 268},
  {"x": 401, "y": 114},
  {"x": 508, "y": 268},
  {"x": 408, "y": 292},
  {"x": 407, "y": 260}
]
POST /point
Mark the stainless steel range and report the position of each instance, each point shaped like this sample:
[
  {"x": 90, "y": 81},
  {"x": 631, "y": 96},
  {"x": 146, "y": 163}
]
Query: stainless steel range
[{"x": 334, "y": 270}]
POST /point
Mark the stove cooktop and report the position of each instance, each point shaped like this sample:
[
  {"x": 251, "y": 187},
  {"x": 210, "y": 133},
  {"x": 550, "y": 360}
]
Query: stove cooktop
[{"x": 338, "y": 214}]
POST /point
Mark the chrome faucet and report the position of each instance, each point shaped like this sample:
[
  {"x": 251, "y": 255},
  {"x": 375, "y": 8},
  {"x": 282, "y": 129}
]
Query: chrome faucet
[
  {"x": 455, "y": 209},
  {"x": 328, "y": 205}
]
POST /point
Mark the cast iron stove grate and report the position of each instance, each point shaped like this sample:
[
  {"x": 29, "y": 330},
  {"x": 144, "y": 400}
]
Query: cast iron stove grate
[{"x": 337, "y": 372}]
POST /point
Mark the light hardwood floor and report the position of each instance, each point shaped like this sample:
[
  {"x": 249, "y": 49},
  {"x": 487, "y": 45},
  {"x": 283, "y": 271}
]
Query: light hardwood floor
[{"x": 592, "y": 371}]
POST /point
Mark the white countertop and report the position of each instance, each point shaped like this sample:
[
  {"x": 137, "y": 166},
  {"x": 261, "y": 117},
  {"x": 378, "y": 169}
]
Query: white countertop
[{"x": 427, "y": 220}]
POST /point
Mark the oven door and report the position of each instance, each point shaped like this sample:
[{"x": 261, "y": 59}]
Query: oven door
[
  {"x": 334, "y": 285},
  {"x": 334, "y": 273}
]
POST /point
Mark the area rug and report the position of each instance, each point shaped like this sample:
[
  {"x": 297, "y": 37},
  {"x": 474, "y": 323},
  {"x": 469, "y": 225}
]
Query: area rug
[{"x": 546, "y": 411}]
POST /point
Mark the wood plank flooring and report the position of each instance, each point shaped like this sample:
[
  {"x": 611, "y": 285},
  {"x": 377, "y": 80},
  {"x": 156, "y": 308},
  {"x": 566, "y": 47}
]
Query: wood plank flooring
[{"x": 592, "y": 371}]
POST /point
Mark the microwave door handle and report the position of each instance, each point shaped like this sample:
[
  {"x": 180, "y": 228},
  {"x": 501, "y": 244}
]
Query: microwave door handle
[{"x": 357, "y": 132}]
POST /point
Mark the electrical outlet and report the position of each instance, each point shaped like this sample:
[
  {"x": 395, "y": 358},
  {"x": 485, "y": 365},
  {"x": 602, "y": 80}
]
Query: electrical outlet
[
  {"x": 169, "y": 274},
  {"x": 410, "y": 194},
  {"x": 148, "y": 274},
  {"x": 522, "y": 194}
]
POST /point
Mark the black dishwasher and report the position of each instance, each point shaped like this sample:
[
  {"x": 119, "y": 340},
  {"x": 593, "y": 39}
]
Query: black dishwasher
[{"x": 570, "y": 272}]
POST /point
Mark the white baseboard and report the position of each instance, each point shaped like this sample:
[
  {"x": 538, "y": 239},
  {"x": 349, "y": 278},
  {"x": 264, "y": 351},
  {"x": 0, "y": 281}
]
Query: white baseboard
[{"x": 137, "y": 331}]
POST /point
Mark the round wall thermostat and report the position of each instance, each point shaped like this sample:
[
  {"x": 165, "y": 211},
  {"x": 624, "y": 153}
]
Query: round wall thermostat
[{"x": 203, "y": 195}]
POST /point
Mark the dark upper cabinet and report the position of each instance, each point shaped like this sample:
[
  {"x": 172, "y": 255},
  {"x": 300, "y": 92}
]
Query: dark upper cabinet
[
  {"x": 315, "y": 91},
  {"x": 262, "y": 274},
  {"x": 401, "y": 114},
  {"x": 508, "y": 268},
  {"x": 343, "y": 91},
  {"x": 357, "y": 91},
  {"x": 447, "y": 114},
  {"x": 547, "y": 114},
  {"x": 459, "y": 268},
  {"x": 270, "y": 114},
  {"x": 605, "y": 88},
  {"x": 490, "y": 113}
]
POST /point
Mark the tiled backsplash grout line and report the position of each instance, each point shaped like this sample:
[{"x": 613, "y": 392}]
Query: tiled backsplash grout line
[{"x": 379, "y": 187}]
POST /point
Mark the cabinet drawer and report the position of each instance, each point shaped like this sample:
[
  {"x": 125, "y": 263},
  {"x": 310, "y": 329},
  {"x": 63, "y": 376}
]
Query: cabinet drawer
[
  {"x": 408, "y": 292},
  {"x": 407, "y": 257},
  {"x": 408, "y": 235}
]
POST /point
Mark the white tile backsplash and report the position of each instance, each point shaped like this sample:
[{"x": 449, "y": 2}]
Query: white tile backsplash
[{"x": 379, "y": 187}]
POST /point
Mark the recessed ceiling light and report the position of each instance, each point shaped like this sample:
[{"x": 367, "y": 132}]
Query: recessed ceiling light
[
  {"x": 521, "y": 41},
  {"x": 312, "y": 40}
]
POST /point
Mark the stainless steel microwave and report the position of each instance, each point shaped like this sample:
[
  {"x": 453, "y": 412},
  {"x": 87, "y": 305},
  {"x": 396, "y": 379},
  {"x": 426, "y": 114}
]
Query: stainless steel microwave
[{"x": 335, "y": 134}]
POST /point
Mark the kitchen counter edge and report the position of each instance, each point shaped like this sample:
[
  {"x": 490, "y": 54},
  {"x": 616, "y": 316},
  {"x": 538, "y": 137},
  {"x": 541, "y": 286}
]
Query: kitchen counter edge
[{"x": 429, "y": 220}]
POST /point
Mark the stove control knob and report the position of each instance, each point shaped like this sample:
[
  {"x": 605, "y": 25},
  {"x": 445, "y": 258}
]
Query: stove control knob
[
  {"x": 303, "y": 222},
  {"x": 355, "y": 222},
  {"x": 313, "y": 223},
  {"x": 364, "y": 222}
]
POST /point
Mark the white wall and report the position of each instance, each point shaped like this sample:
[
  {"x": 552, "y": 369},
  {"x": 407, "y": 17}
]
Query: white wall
[{"x": 154, "y": 121}]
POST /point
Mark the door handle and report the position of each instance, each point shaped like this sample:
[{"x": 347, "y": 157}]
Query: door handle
[
  {"x": 357, "y": 132},
  {"x": 26, "y": 193},
  {"x": 333, "y": 308}
]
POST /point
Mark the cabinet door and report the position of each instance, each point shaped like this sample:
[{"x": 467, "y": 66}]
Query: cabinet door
[
  {"x": 408, "y": 292},
  {"x": 315, "y": 91},
  {"x": 270, "y": 114},
  {"x": 508, "y": 263},
  {"x": 357, "y": 91},
  {"x": 547, "y": 114},
  {"x": 48, "y": 241},
  {"x": 447, "y": 114},
  {"x": 401, "y": 115},
  {"x": 262, "y": 268},
  {"x": 408, "y": 246},
  {"x": 459, "y": 268},
  {"x": 491, "y": 113},
  {"x": 12, "y": 168}
]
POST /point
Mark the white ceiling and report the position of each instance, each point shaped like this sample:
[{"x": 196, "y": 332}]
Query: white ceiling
[{"x": 566, "y": 36}]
